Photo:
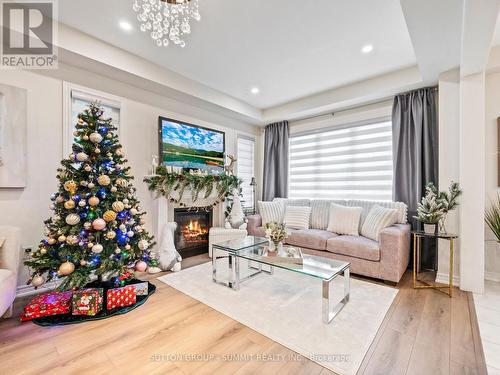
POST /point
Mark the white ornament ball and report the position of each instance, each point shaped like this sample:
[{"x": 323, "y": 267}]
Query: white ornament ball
[
  {"x": 91, "y": 185},
  {"x": 83, "y": 262},
  {"x": 141, "y": 266},
  {"x": 122, "y": 227},
  {"x": 127, "y": 246},
  {"x": 130, "y": 233},
  {"x": 52, "y": 206},
  {"x": 133, "y": 212},
  {"x": 117, "y": 251},
  {"x": 99, "y": 224},
  {"x": 95, "y": 137},
  {"x": 82, "y": 156},
  {"x": 59, "y": 199},
  {"x": 37, "y": 281},
  {"x": 97, "y": 150},
  {"x": 66, "y": 268},
  {"x": 82, "y": 203},
  {"x": 72, "y": 219},
  {"x": 87, "y": 225},
  {"x": 125, "y": 201},
  {"x": 97, "y": 248},
  {"x": 143, "y": 244}
]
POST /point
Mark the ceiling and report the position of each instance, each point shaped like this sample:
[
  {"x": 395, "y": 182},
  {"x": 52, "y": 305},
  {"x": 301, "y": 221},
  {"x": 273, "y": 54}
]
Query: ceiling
[{"x": 290, "y": 49}]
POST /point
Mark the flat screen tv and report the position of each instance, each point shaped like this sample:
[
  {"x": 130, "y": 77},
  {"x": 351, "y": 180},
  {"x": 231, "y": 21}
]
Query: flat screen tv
[{"x": 191, "y": 146}]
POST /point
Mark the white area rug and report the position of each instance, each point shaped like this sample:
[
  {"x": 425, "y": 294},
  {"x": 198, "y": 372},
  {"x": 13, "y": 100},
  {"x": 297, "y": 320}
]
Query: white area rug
[{"x": 286, "y": 307}]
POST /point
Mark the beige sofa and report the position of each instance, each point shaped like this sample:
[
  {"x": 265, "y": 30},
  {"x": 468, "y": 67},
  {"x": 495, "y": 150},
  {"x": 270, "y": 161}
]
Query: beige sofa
[
  {"x": 10, "y": 247},
  {"x": 386, "y": 259}
]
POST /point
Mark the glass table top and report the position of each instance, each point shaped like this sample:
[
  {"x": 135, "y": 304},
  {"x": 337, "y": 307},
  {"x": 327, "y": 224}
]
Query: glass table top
[
  {"x": 445, "y": 236},
  {"x": 240, "y": 244},
  {"x": 319, "y": 267}
]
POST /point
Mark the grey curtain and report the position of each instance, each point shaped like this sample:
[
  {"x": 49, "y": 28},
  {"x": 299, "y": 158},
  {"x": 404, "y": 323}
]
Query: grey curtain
[
  {"x": 275, "y": 184},
  {"x": 415, "y": 150}
]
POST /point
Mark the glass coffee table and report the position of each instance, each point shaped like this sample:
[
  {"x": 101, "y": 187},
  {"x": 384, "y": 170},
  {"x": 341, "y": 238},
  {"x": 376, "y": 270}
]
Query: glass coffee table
[{"x": 255, "y": 250}]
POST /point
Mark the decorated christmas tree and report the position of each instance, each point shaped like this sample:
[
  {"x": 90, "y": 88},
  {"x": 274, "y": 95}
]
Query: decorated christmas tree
[{"x": 97, "y": 229}]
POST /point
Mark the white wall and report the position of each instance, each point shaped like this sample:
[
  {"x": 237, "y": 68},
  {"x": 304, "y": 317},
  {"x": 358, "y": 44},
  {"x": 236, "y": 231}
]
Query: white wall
[
  {"x": 28, "y": 208},
  {"x": 492, "y": 251}
]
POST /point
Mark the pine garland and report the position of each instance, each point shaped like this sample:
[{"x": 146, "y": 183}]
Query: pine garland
[{"x": 165, "y": 183}]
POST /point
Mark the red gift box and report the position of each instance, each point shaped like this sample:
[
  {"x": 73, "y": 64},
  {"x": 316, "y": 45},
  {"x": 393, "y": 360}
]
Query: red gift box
[
  {"x": 120, "y": 297},
  {"x": 53, "y": 303},
  {"x": 87, "y": 301}
]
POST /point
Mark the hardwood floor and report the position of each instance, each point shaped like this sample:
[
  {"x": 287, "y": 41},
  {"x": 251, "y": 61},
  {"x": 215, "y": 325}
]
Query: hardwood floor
[{"x": 424, "y": 332}]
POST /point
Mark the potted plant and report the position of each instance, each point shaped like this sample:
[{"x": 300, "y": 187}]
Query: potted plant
[
  {"x": 429, "y": 210},
  {"x": 492, "y": 218},
  {"x": 449, "y": 201},
  {"x": 276, "y": 233}
]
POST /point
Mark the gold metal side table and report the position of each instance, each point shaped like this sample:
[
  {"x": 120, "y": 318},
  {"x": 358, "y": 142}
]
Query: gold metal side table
[{"x": 417, "y": 240}]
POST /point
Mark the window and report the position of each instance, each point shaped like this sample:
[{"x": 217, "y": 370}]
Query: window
[
  {"x": 246, "y": 169},
  {"x": 78, "y": 100},
  {"x": 345, "y": 162}
]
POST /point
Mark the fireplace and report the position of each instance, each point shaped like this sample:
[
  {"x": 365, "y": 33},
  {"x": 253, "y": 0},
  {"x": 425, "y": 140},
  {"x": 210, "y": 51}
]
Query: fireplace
[{"x": 191, "y": 236}]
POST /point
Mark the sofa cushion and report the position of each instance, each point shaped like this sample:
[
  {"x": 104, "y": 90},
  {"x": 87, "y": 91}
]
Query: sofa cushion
[
  {"x": 354, "y": 246},
  {"x": 377, "y": 219},
  {"x": 271, "y": 212},
  {"x": 8, "y": 281},
  {"x": 311, "y": 238},
  {"x": 344, "y": 220},
  {"x": 297, "y": 217}
]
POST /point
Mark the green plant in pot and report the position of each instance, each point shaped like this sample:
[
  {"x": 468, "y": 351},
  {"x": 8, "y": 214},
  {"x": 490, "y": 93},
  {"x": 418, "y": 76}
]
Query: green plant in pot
[
  {"x": 492, "y": 217},
  {"x": 430, "y": 209},
  {"x": 449, "y": 201}
]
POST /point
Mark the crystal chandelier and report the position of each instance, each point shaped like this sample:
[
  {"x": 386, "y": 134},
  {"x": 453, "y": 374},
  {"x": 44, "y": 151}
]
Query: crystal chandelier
[{"x": 167, "y": 20}]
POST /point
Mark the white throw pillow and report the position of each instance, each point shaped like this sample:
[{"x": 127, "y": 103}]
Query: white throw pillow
[
  {"x": 377, "y": 219},
  {"x": 344, "y": 220},
  {"x": 271, "y": 212},
  {"x": 297, "y": 217}
]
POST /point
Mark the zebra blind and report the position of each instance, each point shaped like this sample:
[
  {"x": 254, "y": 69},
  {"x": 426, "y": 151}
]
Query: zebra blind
[
  {"x": 349, "y": 162},
  {"x": 246, "y": 169}
]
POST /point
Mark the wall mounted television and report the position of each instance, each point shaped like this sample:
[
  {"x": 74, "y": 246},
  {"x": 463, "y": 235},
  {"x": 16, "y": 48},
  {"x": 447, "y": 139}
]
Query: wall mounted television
[{"x": 191, "y": 146}]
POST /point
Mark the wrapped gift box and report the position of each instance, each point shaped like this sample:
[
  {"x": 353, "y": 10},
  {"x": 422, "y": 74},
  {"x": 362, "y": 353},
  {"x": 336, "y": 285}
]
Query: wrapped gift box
[
  {"x": 120, "y": 297},
  {"x": 87, "y": 301},
  {"x": 53, "y": 303},
  {"x": 141, "y": 289}
]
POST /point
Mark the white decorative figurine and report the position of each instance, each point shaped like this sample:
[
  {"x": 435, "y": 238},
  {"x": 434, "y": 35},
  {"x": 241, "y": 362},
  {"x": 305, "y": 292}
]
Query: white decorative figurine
[
  {"x": 168, "y": 257},
  {"x": 236, "y": 218}
]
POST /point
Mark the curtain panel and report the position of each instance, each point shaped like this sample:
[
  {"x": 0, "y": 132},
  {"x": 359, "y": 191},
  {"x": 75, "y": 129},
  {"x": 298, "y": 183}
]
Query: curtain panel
[
  {"x": 275, "y": 184},
  {"x": 415, "y": 149}
]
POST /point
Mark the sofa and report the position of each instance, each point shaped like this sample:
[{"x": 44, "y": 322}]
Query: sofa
[
  {"x": 10, "y": 252},
  {"x": 386, "y": 259}
]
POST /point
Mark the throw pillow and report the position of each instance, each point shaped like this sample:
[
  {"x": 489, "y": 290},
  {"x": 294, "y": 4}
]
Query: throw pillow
[
  {"x": 377, "y": 219},
  {"x": 271, "y": 212},
  {"x": 344, "y": 220},
  {"x": 297, "y": 217}
]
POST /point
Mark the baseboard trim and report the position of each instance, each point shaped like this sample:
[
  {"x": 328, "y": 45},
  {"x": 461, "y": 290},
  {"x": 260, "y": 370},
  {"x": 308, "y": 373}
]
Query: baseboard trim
[
  {"x": 492, "y": 276},
  {"x": 443, "y": 278}
]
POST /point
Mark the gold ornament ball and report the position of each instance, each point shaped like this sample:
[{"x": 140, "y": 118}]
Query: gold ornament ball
[
  {"x": 72, "y": 219},
  {"x": 97, "y": 150},
  {"x": 70, "y": 186},
  {"x": 87, "y": 225},
  {"x": 114, "y": 189},
  {"x": 82, "y": 156},
  {"x": 43, "y": 251},
  {"x": 80, "y": 121},
  {"x": 99, "y": 224},
  {"x": 37, "y": 281},
  {"x": 59, "y": 199},
  {"x": 119, "y": 152},
  {"x": 51, "y": 241},
  {"x": 62, "y": 238},
  {"x": 111, "y": 235},
  {"x": 134, "y": 211},
  {"x": 72, "y": 239},
  {"x": 91, "y": 185},
  {"x": 121, "y": 182},
  {"x": 66, "y": 268},
  {"x": 95, "y": 137},
  {"x": 143, "y": 244},
  {"x": 83, "y": 262},
  {"x": 109, "y": 216},
  {"x": 97, "y": 248},
  {"x": 85, "y": 137},
  {"x": 118, "y": 206},
  {"x": 69, "y": 204},
  {"x": 104, "y": 180},
  {"x": 88, "y": 168},
  {"x": 93, "y": 201}
]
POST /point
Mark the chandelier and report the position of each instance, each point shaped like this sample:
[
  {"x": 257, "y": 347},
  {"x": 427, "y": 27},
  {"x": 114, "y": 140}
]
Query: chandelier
[{"x": 167, "y": 21}]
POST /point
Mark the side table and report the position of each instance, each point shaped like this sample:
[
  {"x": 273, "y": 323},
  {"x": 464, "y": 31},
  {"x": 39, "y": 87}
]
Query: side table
[{"x": 417, "y": 240}]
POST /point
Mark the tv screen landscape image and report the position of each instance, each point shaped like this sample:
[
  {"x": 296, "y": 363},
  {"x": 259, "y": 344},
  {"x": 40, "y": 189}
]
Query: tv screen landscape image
[{"x": 191, "y": 146}]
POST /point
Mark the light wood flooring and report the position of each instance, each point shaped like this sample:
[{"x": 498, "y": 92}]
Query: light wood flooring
[{"x": 424, "y": 332}]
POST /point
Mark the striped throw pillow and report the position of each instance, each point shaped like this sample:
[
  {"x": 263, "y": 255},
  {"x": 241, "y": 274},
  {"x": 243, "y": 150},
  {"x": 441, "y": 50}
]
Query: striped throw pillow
[
  {"x": 344, "y": 220},
  {"x": 377, "y": 219},
  {"x": 271, "y": 212},
  {"x": 297, "y": 217}
]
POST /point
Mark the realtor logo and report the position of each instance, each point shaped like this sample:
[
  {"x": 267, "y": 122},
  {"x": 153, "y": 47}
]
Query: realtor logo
[{"x": 28, "y": 35}]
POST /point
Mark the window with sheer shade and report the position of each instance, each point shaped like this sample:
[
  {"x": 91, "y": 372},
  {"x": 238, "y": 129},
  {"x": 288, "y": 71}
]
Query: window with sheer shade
[
  {"x": 246, "y": 169},
  {"x": 345, "y": 162}
]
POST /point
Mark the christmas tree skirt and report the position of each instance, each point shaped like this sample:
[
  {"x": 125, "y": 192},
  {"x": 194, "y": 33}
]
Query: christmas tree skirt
[{"x": 59, "y": 320}]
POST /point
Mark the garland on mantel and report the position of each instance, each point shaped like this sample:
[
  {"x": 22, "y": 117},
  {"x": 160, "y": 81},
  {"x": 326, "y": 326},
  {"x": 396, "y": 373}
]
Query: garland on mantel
[{"x": 164, "y": 183}]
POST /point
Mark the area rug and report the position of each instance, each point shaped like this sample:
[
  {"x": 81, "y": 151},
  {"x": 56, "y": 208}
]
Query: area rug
[{"x": 286, "y": 307}]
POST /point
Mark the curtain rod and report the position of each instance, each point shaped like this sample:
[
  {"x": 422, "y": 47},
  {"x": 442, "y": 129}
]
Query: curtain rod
[{"x": 435, "y": 88}]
